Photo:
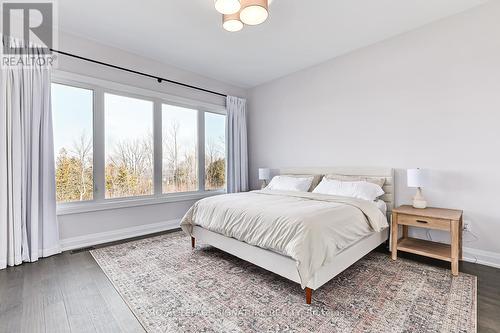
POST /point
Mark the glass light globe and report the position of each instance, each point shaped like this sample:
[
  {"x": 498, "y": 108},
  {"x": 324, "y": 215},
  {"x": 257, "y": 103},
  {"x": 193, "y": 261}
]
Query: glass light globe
[
  {"x": 254, "y": 12},
  {"x": 232, "y": 23},
  {"x": 227, "y": 6}
]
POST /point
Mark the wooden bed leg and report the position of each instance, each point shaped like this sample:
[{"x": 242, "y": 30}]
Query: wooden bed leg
[
  {"x": 308, "y": 295},
  {"x": 193, "y": 242}
]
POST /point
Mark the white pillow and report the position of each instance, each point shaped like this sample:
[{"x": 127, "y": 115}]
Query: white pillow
[
  {"x": 314, "y": 183},
  {"x": 360, "y": 189},
  {"x": 290, "y": 183}
]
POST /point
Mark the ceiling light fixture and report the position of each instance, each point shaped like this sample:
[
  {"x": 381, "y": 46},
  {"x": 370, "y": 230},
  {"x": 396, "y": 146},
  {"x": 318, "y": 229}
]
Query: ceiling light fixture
[
  {"x": 254, "y": 12},
  {"x": 227, "y": 6},
  {"x": 232, "y": 22},
  {"x": 237, "y": 13}
]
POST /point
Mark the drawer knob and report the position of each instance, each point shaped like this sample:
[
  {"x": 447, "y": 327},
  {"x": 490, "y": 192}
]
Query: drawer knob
[{"x": 422, "y": 221}]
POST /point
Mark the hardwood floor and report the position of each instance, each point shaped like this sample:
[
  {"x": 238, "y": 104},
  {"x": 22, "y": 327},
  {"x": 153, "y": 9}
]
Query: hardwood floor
[
  {"x": 70, "y": 293},
  {"x": 63, "y": 293}
]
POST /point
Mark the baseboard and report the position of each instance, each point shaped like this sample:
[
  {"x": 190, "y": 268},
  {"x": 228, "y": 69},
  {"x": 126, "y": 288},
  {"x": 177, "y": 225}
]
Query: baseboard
[
  {"x": 49, "y": 252},
  {"x": 115, "y": 235},
  {"x": 481, "y": 257}
]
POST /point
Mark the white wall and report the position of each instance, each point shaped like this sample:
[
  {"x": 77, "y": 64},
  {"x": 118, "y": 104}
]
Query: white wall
[
  {"x": 429, "y": 98},
  {"x": 94, "y": 50},
  {"x": 86, "y": 228}
]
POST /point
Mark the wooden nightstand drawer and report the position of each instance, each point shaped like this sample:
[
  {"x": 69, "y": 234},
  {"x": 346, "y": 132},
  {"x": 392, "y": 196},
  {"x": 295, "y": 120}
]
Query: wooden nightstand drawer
[{"x": 424, "y": 222}]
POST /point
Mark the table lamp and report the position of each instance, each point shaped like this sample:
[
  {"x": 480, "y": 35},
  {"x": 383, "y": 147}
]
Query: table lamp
[
  {"x": 264, "y": 175},
  {"x": 416, "y": 179}
]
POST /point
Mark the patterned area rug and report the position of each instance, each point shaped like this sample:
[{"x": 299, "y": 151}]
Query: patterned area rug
[{"x": 172, "y": 288}]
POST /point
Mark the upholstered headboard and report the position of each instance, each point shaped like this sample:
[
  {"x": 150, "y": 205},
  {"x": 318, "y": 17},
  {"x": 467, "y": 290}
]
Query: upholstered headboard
[{"x": 387, "y": 173}]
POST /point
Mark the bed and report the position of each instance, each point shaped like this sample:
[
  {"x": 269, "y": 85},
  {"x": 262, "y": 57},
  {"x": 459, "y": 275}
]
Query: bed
[{"x": 304, "y": 237}]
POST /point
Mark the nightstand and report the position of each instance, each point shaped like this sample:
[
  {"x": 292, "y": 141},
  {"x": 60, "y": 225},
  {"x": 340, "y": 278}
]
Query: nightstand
[{"x": 430, "y": 218}]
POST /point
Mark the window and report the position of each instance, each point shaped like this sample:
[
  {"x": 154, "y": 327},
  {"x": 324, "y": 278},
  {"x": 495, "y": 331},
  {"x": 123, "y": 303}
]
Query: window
[
  {"x": 215, "y": 151},
  {"x": 179, "y": 142},
  {"x": 129, "y": 146},
  {"x": 119, "y": 146},
  {"x": 72, "y": 112}
]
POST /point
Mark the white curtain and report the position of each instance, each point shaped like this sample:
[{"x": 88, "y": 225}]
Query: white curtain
[
  {"x": 237, "y": 152},
  {"x": 28, "y": 222}
]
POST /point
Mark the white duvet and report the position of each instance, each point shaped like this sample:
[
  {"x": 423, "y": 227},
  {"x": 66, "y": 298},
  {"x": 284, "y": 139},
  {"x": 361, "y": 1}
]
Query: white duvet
[{"x": 308, "y": 227}]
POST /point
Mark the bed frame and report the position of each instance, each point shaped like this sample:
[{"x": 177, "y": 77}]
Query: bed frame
[{"x": 286, "y": 266}]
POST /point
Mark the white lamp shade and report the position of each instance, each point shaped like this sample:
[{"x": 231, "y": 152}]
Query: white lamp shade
[
  {"x": 254, "y": 12},
  {"x": 415, "y": 178},
  {"x": 227, "y": 6},
  {"x": 231, "y": 22},
  {"x": 264, "y": 174}
]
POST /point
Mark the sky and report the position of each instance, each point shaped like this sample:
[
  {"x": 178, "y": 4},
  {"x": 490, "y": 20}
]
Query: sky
[
  {"x": 71, "y": 114},
  {"x": 125, "y": 117},
  {"x": 215, "y": 127},
  {"x": 187, "y": 131}
]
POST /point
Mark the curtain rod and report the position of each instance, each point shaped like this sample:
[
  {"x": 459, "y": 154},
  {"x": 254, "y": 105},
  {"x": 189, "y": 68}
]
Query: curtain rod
[{"x": 159, "y": 79}]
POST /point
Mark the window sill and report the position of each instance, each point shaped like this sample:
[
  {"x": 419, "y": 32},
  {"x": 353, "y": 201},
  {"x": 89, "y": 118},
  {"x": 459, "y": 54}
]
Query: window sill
[{"x": 93, "y": 206}]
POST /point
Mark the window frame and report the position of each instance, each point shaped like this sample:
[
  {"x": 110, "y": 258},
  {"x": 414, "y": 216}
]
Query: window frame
[
  {"x": 85, "y": 86},
  {"x": 99, "y": 88},
  {"x": 201, "y": 150},
  {"x": 103, "y": 156},
  {"x": 225, "y": 156}
]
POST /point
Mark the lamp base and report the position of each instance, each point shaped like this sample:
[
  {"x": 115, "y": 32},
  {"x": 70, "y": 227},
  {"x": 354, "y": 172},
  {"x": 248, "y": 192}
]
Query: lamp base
[
  {"x": 421, "y": 204},
  {"x": 264, "y": 184},
  {"x": 418, "y": 200}
]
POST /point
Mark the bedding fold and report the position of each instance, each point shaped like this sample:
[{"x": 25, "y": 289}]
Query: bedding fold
[{"x": 307, "y": 227}]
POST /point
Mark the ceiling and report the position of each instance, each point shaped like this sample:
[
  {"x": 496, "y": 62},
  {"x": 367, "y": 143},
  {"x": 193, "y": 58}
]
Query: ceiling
[{"x": 298, "y": 34}]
